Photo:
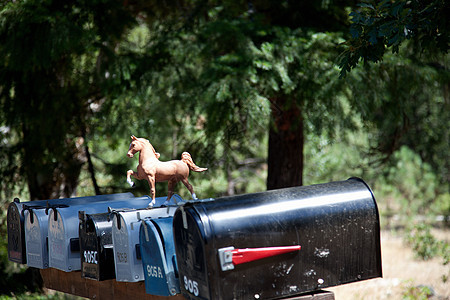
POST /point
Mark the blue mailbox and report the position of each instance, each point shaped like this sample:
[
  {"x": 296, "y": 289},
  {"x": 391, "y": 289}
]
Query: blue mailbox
[
  {"x": 96, "y": 238},
  {"x": 15, "y": 220},
  {"x": 36, "y": 224},
  {"x": 158, "y": 257},
  {"x": 125, "y": 236},
  {"x": 63, "y": 230}
]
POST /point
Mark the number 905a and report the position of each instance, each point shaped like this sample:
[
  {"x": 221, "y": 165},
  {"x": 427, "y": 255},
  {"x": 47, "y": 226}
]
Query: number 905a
[{"x": 191, "y": 286}]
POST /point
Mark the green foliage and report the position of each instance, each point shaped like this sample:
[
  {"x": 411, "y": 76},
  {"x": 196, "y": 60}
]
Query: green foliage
[
  {"x": 407, "y": 105},
  {"x": 48, "y": 82},
  {"x": 204, "y": 77},
  {"x": 378, "y": 25},
  {"x": 39, "y": 296},
  {"x": 416, "y": 186},
  {"x": 417, "y": 293},
  {"x": 425, "y": 245},
  {"x": 214, "y": 82},
  {"x": 340, "y": 159}
]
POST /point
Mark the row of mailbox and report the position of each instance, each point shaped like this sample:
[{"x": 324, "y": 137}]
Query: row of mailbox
[
  {"x": 264, "y": 245},
  {"x": 99, "y": 236}
]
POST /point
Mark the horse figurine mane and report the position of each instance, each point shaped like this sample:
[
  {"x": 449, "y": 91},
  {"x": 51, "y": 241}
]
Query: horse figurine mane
[
  {"x": 149, "y": 144},
  {"x": 154, "y": 170}
]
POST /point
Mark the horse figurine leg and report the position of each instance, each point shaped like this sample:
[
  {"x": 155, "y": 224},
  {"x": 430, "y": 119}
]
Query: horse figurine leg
[
  {"x": 129, "y": 174},
  {"x": 189, "y": 187},
  {"x": 170, "y": 193},
  {"x": 151, "y": 183}
]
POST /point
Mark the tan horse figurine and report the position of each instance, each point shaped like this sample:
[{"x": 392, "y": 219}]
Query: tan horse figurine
[{"x": 154, "y": 170}]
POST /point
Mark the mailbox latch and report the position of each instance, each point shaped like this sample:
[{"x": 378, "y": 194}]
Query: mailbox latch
[{"x": 229, "y": 257}]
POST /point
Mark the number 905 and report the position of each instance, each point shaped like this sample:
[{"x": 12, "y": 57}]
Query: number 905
[{"x": 191, "y": 286}]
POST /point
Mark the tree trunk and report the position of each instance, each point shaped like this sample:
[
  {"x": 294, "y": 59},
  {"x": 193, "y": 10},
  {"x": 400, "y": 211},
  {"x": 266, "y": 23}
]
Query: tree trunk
[
  {"x": 91, "y": 169},
  {"x": 285, "y": 158}
]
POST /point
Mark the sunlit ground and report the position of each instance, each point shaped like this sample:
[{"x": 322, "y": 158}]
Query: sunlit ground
[{"x": 402, "y": 274}]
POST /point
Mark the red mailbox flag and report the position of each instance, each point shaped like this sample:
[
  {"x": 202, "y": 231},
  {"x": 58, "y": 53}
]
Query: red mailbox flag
[
  {"x": 229, "y": 257},
  {"x": 241, "y": 256}
]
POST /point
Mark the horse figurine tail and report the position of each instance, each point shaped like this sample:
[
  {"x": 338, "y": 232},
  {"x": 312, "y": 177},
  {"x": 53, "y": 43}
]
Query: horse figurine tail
[{"x": 187, "y": 159}]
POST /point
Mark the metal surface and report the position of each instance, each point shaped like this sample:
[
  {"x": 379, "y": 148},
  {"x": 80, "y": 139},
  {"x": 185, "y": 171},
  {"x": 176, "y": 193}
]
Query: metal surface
[
  {"x": 36, "y": 233},
  {"x": 96, "y": 249},
  {"x": 336, "y": 224},
  {"x": 63, "y": 230},
  {"x": 125, "y": 234},
  {"x": 158, "y": 257},
  {"x": 15, "y": 219},
  {"x": 96, "y": 241}
]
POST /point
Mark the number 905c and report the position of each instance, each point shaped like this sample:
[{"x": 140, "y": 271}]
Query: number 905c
[{"x": 191, "y": 286}]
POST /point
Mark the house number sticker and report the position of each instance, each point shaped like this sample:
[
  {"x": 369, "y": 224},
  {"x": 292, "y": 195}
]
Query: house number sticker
[
  {"x": 122, "y": 257},
  {"x": 90, "y": 257},
  {"x": 191, "y": 286},
  {"x": 154, "y": 271}
]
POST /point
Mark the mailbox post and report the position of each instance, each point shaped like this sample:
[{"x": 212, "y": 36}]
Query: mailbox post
[{"x": 278, "y": 243}]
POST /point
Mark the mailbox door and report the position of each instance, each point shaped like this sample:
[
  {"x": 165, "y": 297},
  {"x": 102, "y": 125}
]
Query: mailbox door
[
  {"x": 158, "y": 257},
  {"x": 335, "y": 224},
  {"x": 58, "y": 249},
  {"x": 190, "y": 241},
  {"x": 89, "y": 252},
  {"x": 97, "y": 257},
  {"x": 36, "y": 229},
  {"x": 16, "y": 234},
  {"x": 128, "y": 266}
]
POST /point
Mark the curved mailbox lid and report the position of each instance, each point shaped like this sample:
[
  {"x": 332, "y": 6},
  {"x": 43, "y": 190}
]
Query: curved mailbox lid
[
  {"x": 336, "y": 224},
  {"x": 15, "y": 220},
  {"x": 63, "y": 230},
  {"x": 158, "y": 257},
  {"x": 128, "y": 264}
]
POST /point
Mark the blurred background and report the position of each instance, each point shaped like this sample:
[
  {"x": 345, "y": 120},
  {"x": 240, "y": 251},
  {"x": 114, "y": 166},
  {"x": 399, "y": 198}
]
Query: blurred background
[{"x": 265, "y": 94}]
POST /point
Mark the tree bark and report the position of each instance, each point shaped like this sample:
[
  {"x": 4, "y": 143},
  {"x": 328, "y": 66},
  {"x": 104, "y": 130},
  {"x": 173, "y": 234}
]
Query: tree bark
[
  {"x": 286, "y": 139},
  {"x": 91, "y": 169}
]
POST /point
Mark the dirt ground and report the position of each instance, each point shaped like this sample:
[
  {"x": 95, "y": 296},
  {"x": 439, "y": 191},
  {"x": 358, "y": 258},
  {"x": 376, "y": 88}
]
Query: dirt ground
[{"x": 401, "y": 271}]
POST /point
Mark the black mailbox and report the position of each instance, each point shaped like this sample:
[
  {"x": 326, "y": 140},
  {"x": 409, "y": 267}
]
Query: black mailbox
[
  {"x": 278, "y": 243},
  {"x": 15, "y": 219},
  {"x": 96, "y": 247},
  {"x": 97, "y": 242}
]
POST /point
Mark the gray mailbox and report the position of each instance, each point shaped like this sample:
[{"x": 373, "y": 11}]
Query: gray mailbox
[
  {"x": 15, "y": 219},
  {"x": 36, "y": 234},
  {"x": 63, "y": 234},
  {"x": 36, "y": 227},
  {"x": 125, "y": 235},
  {"x": 96, "y": 245}
]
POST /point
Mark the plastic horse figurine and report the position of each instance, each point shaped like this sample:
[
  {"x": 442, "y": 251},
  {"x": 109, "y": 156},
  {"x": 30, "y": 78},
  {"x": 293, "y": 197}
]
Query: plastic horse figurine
[{"x": 154, "y": 170}]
